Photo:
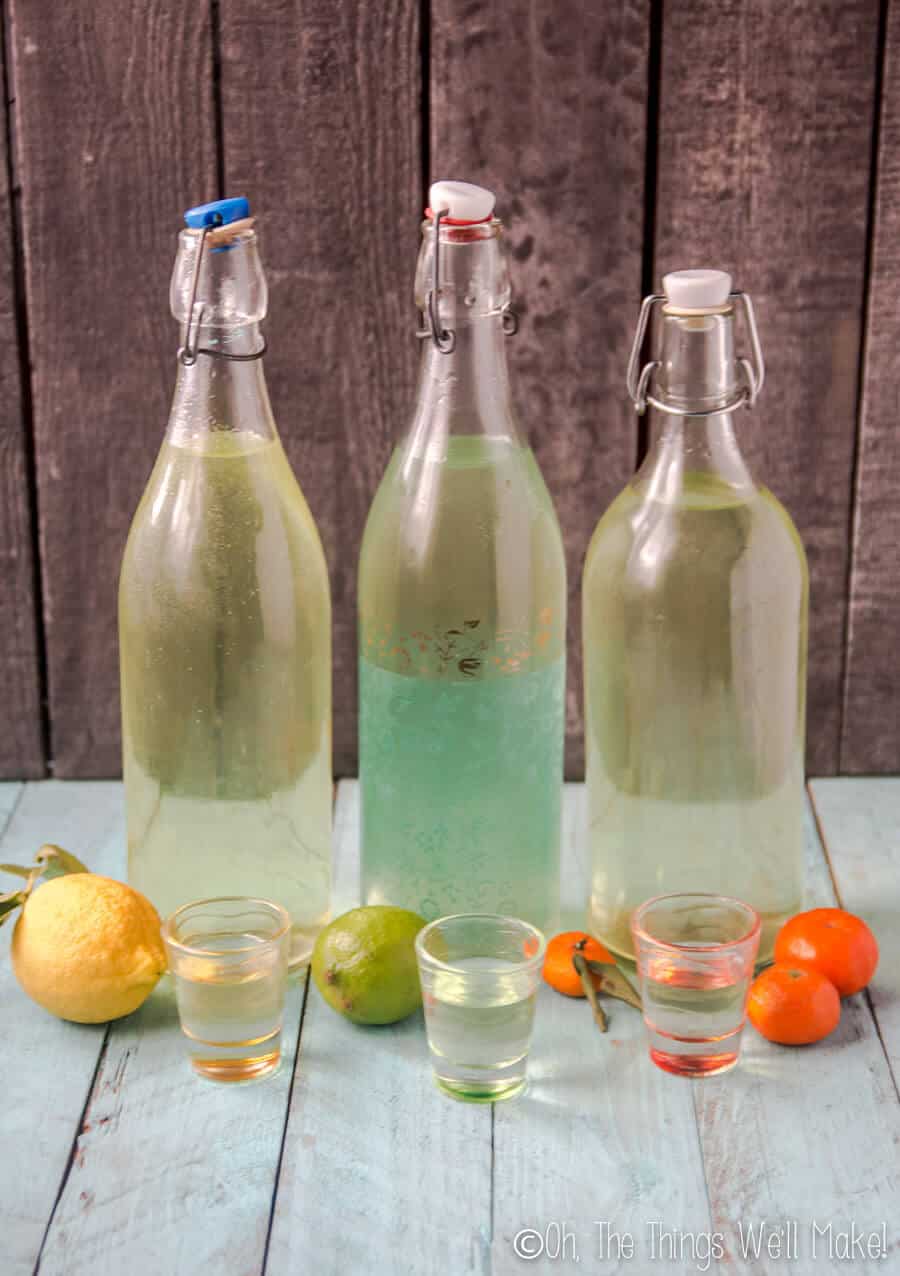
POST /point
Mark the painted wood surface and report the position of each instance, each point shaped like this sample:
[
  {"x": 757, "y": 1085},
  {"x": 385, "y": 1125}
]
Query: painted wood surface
[
  {"x": 871, "y": 735},
  {"x": 21, "y": 740},
  {"x": 547, "y": 106},
  {"x": 860, "y": 822},
  {"x": 764, "y": 171},
  {"x": 808, "y": 1135},
  {"x": 114, "y": 130},
  {"x": 380, "y": 1174},
  {"x": 46, "y": 1066},
  {"x": 331, "y": 161},
  {"x": 601, "y": 1137},
  {"x": 157, "y": 1171}
]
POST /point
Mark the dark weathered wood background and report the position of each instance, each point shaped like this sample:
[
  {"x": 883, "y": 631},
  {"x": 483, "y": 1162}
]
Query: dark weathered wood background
[{"x": 624, "y": 139}]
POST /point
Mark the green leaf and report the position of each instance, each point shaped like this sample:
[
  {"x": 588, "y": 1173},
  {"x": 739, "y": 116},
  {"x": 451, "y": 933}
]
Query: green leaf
[
  {"x": 15, "y": 868},
  {"x": 9, "y": 903},
  {"x": 55, "y": 862}
]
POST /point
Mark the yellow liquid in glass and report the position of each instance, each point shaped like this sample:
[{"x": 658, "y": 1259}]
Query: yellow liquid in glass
[
  {"x": 695, "y": 673},
  {"x": 224, "y": 625}
]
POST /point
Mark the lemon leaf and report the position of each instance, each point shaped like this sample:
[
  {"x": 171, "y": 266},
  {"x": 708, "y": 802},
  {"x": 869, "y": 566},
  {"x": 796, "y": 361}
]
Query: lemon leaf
[
  {"x": 55, "y": 862},
  {"x": 9, "y": 903}
]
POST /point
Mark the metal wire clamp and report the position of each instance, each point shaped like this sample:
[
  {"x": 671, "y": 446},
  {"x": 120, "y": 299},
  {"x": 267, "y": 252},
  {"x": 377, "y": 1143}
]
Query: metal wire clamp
[
  {"x": 188, "y": 350},
  {"x": 445, "y": 338},
  {"x": 638, "y": 379}
]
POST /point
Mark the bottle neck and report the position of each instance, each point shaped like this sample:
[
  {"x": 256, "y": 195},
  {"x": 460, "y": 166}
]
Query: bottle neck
[
  {"x": 215, "y": 394},
  {"x": 697, "y": 373},
  {"x": 463, "y": 391}
]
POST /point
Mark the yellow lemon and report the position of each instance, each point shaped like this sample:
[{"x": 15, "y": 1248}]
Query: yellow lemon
[{"x": 87, "y": 948}]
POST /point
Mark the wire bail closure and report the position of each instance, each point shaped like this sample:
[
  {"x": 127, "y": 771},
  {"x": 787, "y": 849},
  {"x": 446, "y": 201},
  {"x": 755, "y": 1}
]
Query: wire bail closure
[
  {"x": 188, "y": 350},
  {"x": 638, "y": 379},
  {"x": 445, "y": 338}
]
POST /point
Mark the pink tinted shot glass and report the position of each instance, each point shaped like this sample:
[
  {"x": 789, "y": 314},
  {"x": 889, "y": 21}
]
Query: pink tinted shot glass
[{"x": 695, "y": 958}]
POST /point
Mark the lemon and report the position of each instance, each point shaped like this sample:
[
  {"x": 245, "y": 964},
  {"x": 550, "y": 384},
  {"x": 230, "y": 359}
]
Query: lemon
[
  {"x": 87, "y": 948},
  {"x": 364, "y": 964}
]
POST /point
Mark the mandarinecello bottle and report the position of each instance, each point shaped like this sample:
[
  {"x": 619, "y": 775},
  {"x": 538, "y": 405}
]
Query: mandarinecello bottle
[
  {"x": 224, "y": 619},
  {"x": 462, "y": 613},
  {"x": 695, "y": 596}
]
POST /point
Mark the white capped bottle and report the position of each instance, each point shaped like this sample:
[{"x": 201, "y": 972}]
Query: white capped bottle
[
  {"x": 462, "y": 612},
  {"x": 695, "y": 596}
]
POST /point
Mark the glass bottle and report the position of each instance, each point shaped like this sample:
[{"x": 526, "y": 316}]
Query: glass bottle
[
  {"x": 224, "y": 619},
  {"x": 695, "y": 596},
  {"x": 462, "y": 613}
]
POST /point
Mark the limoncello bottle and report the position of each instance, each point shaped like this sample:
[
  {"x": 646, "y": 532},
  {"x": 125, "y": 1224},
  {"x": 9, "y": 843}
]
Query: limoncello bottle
[
  {"x": 224, "y": 619},
  {"x": 695, "y": 620},
  {"x": 462, "y": 612}
]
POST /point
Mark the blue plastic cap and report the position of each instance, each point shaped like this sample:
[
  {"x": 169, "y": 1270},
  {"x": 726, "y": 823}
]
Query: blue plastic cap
[{"x": 221, "y": 212}]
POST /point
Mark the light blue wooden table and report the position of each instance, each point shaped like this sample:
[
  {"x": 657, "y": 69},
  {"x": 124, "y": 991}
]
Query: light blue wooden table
[{"x": 116, "y": 1161}]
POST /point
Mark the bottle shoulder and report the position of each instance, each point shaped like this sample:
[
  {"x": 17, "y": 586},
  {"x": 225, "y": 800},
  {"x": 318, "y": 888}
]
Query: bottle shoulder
[
  {"x": 705, "y": 526},
  {"x": 217, "y": 496}
]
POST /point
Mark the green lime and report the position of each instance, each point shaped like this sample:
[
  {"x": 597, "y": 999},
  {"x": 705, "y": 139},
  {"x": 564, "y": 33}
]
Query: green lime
[{"x": 364, "y": 964}]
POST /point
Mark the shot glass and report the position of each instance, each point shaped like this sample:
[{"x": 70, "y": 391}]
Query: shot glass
[
  {"x": 695, "y": 957},
  {"x": 229, "y": 961},
  {"x": 479, "y": 974}
]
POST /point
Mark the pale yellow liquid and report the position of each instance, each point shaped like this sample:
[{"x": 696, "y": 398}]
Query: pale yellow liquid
[
  {"x": 695, "y": 674},
  {"x": 224, "y": 627},
  {"x": 231, "y": 1011}
]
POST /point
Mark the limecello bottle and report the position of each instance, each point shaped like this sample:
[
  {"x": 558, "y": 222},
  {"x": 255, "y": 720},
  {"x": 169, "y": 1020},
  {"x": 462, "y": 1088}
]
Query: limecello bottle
[
  {"x": 224, "y": 619},
  {"x": 695, "y": 620},
  {"x": 462, "y": 612}
]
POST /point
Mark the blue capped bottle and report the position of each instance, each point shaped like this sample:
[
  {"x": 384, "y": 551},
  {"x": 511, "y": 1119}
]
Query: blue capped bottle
[
  {"x": 224, "y": 619},
  {"x": 462, "y": 612}
]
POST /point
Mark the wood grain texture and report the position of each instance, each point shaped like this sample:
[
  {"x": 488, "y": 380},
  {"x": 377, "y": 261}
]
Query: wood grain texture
[
  {"x": 170, "y": 1173},
  {"x": 809, "y": 1135},
  {"x": 546, "y": 105},
  {"x": 766, "y": 114},
  {"x": 860, "y": 824},
  {"x": 871, "y": 731},
  {"x": 601, "y": 1134},
  {"x": 321, "y": 132},
  {"x": 380, "y": 1172},
  {"x": 115, "y": 139},
  {"x": 46, "y": 1065},
  {"x": 21, "y": 742}
]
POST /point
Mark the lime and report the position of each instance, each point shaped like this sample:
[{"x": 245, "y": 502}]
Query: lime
[{"x": 364, "y": 964}]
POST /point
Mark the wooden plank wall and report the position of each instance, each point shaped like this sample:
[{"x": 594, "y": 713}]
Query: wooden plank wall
[{"x": 623, "y": 140}]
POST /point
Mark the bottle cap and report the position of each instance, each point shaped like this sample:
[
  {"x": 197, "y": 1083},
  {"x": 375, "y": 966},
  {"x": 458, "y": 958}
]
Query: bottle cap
[
  {"x": 221, "y": 212},
  {"x": 464, "y": 202},
  {"x": 697, "y": 289}
]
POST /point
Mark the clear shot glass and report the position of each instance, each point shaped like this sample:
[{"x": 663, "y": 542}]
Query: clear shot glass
[
  {"x": 695, "y": 956},
  {"x": 479, "y": 974},
  {"x": 229, "y": 961}
]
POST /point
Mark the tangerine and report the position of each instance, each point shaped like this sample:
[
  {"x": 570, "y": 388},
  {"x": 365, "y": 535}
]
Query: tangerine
[
  {"x": 558, "y": 969},
  {"x": 835, "y": 943},
  {"x": 793, "y": 1006}
]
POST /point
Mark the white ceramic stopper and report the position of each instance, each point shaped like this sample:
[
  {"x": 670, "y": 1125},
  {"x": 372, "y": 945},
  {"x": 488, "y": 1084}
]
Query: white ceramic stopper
[
  {"x": 697, "y": 289},
  {"x": 463, "y": 201}
]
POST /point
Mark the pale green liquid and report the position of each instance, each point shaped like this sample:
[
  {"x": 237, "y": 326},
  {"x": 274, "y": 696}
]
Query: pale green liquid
[
  {"x": 224, "y": 624},
  {"x": 695, "y": 673},
  {"x": 462, "y": 680},
  {"x": 461, "y": 793},
  {"x": 479, "y": 1027}
]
